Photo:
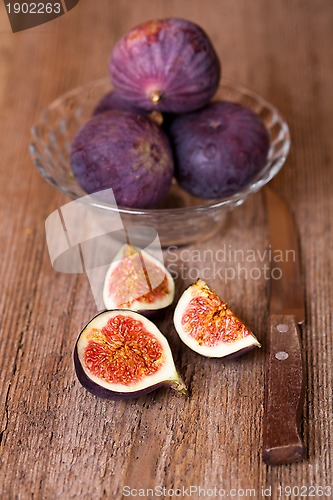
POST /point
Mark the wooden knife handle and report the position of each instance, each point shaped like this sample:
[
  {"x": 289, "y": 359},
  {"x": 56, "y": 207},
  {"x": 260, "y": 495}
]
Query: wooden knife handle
[{"x": 285, "y": 391}]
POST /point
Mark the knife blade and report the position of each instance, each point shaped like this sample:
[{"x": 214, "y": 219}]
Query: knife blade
[{"x": 285, "y": 371}]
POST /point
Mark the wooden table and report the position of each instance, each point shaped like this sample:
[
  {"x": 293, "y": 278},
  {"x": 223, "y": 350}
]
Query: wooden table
[{"x": 57, "y": 440}]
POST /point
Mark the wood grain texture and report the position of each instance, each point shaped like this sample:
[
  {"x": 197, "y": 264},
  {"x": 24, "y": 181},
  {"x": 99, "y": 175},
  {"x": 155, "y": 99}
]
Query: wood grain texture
[{"x": 58, "y": 441}]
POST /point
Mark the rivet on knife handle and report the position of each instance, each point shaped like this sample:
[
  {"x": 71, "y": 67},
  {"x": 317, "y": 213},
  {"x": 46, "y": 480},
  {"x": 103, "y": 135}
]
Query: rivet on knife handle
[{"x": 285, "y": 390}]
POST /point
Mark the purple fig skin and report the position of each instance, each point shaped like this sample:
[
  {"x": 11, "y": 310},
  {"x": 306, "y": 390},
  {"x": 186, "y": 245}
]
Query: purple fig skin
[
  {"x": 238, "y": 354},
  {"x": 154, "y": 314},
  {"x": 218, "y": 149},
  {"x": 233, "y": 355},
  {"x": 112, "y": 101},
  {"x": 167, "y": 65},
  {"x": 126, "y": 152}
]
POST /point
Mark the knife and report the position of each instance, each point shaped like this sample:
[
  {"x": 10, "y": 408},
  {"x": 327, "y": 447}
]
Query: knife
[{"x": 285, "y": 372}]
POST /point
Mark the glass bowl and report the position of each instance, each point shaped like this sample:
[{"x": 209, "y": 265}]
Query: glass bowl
[{"x": 182, "y": 218}]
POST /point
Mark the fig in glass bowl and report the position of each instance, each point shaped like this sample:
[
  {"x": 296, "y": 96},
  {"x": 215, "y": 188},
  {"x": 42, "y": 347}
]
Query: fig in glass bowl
[
  {"x": 179, "y": 218},
  {"x": 219, "y": 149},
  {"x": 167, "y": 65},
  {"x": 112, "y": 100},
  {"x": 124, "y": 151}
]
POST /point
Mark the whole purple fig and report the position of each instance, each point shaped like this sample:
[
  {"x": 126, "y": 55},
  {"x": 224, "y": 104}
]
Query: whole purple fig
[
  {"x": 126, "y": 152},
  {"x": 219, "y": 149},
  {"x": 167, "y": 65}
]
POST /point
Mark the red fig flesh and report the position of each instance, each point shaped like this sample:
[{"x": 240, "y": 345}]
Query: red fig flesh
[
  {"x": 136, "y": 280},
  {"x": 206, "y": 325},
  {"x": 167, "y": 64},
  {"x": 121, "y": 355}
]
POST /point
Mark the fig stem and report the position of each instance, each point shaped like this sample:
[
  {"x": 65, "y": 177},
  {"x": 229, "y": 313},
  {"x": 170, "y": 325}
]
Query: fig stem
[
  {"x": 156, "y": 117},
  {"x": 179, "y": 386},
  {"x": 155, "y": 96}
]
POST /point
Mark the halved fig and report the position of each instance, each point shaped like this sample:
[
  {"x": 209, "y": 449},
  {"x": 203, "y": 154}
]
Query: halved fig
[
  {"x": 206, "y": 324},
  {"x": 138, "y": 281},
  {"x": 122, "y": 355}
]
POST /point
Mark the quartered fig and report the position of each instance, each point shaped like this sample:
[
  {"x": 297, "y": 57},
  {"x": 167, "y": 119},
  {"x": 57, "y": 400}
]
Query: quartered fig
[
  {"x": 167, "y": 64},
  {"x": 138, "y": 281},
  {"x": 124, "y": 151},
  {"x": 206, "y": 324},
  {"x": 219, "y": 149},
  {"x": 122, "y": 355}
]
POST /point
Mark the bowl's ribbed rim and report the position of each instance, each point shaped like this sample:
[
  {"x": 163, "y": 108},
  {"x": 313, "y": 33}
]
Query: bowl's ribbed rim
[{"x": 235, "y": 199}]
